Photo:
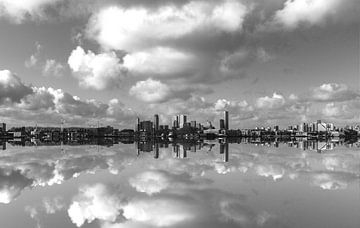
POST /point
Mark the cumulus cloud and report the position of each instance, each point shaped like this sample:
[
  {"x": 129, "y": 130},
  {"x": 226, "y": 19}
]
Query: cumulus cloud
[
  {"x": 95, "y": 202},
  {"x": 310, "y": 12},
  {"x": 12, "y": 89},
  {"x": 155, "y": 181},
  {"x": 53, "y": 68},
  {"x": 160, "y": 212},
  {"x": 155, "y": 91},
  {"x": 332, "y": 92},
  {"x": 151, "y": 91},
  {"x": 276, "y": 101},
  {"x": 275, "y": 172},
  {"x": 11, "y": 184},
  {"x": 34, "y": 58},
  {"x": 111, "y": 27},
  {"x": 161, "y": 61},
  {"x": 18, "y": 10},
  {"x": 97, "y": 71},
  {"x": 49, "y": 105}
]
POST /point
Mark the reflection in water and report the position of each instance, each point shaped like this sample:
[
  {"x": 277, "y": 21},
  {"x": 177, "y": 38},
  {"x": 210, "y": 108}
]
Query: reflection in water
[{"x": 189, "y": 183}]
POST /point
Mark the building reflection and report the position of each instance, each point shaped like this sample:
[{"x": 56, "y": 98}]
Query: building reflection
[{"x": 182, "y": 148}]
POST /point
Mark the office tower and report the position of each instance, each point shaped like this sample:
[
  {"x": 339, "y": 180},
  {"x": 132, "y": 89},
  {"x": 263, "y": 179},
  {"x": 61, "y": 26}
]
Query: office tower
[
  {"x": 222, "y": 148},
  {"x": 193, "y": 124},
  {"x": 226, "y": 152},
  {"x": 156, "y": 155},
  {"x": 3, "y": 127},
  {"x": 182, "y": 121},
  {"x": 222, "y": 124},
  {"x": 146, "y": 126},
  {"x": 176, "y": 122},
  {"x": 137, "y": 125},
  {"x": 156, "y": 122},
  {"x": 226, "y": 118}
]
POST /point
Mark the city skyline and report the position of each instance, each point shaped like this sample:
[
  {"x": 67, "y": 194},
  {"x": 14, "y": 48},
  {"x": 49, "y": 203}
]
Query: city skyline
[{"x": 276, "y": 62}]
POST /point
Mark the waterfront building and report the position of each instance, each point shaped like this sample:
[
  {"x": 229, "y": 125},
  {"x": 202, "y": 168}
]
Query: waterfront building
[
  {"x": 222, "y": 124},
  {"x": 156, "y": 122},
  {"x": 182, "y": 121},
  {"x": 226, "y": 119}
]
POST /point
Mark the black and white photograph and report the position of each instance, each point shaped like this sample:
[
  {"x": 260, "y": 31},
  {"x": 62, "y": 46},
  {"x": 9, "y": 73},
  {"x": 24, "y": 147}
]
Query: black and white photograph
[{"x": 179, "y": 113}]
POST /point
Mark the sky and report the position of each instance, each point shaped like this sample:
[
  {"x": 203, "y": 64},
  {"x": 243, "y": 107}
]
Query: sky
[{"x": 268, "y": 62}]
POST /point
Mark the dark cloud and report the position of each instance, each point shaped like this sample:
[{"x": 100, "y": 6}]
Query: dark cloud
[{"x": 12, "y": 88}]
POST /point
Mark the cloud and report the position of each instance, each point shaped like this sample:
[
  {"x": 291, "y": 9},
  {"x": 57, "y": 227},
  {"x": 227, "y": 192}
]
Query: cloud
[
  {"x": 94, "y": 202},
  {"x": 333, "y": 92},
  {"x": 311, "y": 12},
  {"x": 53, "y": 68},
  {"x": 12, "y": 88},
  {"x": 19, "y": 10},
  {"x": 111, "y": 28},
  {"x": 331, "y": 110},
  {"x": 11, "y": 184},
  {"x": 161, "y": 61},
  {"x": 275, "y": 172},
  {"x": 156, "y": 181},
  {"x": 276, "y": 101},
  {"x": 51, "y": 206},
  {"x": 159, "y": 212},
  {"x": 34, "y": 58},
  {"x": 155, "y": 91},
  {"x": 97, "y": 71},
  {"x": 49, "y": 105},
  {"x": 151, "y": 91}
]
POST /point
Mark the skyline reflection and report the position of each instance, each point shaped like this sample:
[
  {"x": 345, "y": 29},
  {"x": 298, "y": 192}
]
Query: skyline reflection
[{"x": 207, "y": 183}]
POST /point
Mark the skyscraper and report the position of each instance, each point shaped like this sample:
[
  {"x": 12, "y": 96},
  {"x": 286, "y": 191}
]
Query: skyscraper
[
  {"x": 222, "y": 124},
  {"x": 156, "y": 122},
  {"x": 137, "y": 125},
  {"x": 182, "y": 120},
  {"x": 226, "y": 118}
]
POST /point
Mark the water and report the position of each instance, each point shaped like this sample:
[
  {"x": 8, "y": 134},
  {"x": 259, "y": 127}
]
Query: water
[{"x": 207, "y": 185}]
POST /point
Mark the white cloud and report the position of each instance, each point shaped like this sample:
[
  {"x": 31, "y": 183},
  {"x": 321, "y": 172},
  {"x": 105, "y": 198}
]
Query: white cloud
[
  {"x": 31, "y": 62},
  {"x": 98, "y": 71},
  {"x": 151, "y": 91},
  {"x": 130, "y": 28},
  {"x": 160, "y": 61},
  {"x": 159, "y": 212},
  {"x": 19, "y": 9},
  {"x": 156, "y": 181},
  {"x": 329, "y": 182},
  {"x": 53, "y": 68},
  {"x": 34, "y": 58},
  {"x": 12, "y": 89},
  {"x": 52, "y": 205},
  {"x": 273, "y": 171},
  {"x": 150, "y": 182},
  {"x": 94, "y": 202},
  {"x": 307, "y": 12},
  {"x": 42, "y": 104},
  {"x": 333, "y": 92},
  {"x": 276, "y": 101},
  {"x": 331, "y": 110}
]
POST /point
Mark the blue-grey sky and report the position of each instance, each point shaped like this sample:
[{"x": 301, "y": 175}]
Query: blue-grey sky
[{"x": 267, "y": 62}]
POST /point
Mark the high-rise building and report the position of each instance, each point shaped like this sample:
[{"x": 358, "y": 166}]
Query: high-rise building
[
  {"x": 176, "y": 122},
  {"x": 137, "y": 125},
  {"x": 193, "y": 124},
  {"x": 182, "y": 121},
  {"x": 222, "y": 124},
  {"x": 3, "y": 127},
  {"x": 226, "y": 119},
  {"x": 146, "y": 126},
  {"x": 156, "y": 122}
]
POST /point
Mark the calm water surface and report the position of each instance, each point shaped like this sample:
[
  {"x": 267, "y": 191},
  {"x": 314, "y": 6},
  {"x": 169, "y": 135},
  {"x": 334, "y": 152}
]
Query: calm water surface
[{"x": 117, "y": 187}]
